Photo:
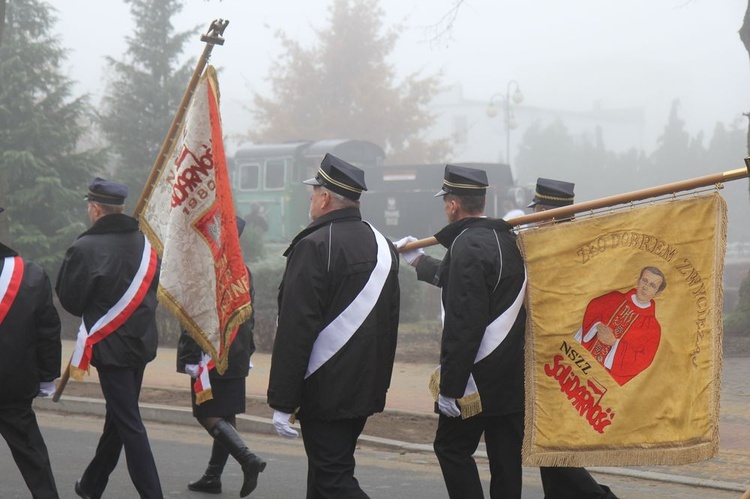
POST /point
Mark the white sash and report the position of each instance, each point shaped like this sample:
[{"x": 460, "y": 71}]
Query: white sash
[
  {"x": 494, "y": 335},
  {"x": 498, "y": 330},
  {"x": 335, "y": 335}
]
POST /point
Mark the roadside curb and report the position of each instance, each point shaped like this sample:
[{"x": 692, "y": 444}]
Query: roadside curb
[{"x": 255, "y": 424}]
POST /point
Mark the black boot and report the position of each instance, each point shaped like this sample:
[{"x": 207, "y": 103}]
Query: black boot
[
  {"x": 210, "y": 482},
  {"x": 225, "y": 434}
]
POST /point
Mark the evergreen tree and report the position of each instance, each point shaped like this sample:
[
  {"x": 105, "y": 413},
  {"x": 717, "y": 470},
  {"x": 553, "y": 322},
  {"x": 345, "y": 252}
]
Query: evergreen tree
[
  {"x": 145, "y": 91},
  {"x": 677, "y": 156},
  {"x": 42, "y": 176},
  {"x": 3, "y": 3},
  {"x": 546, "y": 151},
  {"x": 343, "y": 87}
]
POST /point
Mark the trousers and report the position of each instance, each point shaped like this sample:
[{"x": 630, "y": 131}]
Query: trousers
[
  {"x": 330, "y": 449},
  {"x": 457, "y": 439},
  {"x": 20, "y": 430},
  {"x": 123, "y": 428}
]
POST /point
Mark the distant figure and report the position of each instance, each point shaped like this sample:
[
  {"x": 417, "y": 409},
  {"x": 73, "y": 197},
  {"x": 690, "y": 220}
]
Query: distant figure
[
  {"x": 257, "y": 217},
  {"x": 512, "y": 211}
]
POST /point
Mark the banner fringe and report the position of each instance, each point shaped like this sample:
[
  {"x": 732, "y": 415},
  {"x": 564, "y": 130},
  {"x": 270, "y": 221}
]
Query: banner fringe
[
  {"x": 624, "y": 457},
  {"x": 241, "y": 315}
]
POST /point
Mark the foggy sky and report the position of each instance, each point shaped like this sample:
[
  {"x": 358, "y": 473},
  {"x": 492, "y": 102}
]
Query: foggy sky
[{"x": 565, "y": 55}]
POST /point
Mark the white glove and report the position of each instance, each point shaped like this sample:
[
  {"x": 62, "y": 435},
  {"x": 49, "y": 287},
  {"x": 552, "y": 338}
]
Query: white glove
[
  {"x": 410, "y": 256},
  {"x": 192, "y": 370},
  {"x": 448, "y": 406},
  {"x": 281, "y": 423},
  {"x": 250, "y": 365},
  {"x": 46, "y": 388}
]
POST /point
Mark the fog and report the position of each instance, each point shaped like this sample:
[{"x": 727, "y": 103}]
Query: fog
[{"x": 565, "y": 55}]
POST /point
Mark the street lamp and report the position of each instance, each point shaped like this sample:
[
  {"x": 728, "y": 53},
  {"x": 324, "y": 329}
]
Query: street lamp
[{"x": 510, "y": 119}]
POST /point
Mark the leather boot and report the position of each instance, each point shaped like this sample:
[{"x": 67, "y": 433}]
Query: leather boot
[
  {"x": 225, "y": 434},
  {"x": 210, "y": 482}
]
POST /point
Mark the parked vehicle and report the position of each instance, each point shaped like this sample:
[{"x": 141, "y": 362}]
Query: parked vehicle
[{"x": 269, "y": 194}]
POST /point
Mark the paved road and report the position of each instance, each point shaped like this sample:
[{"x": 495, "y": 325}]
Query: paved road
[
  {"x": 728, "y": 473},
  {"x": 181, "y": 452}
]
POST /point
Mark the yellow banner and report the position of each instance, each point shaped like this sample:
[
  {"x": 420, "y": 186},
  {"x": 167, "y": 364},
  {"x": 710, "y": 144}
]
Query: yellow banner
[{"x": 623, "y": 349}]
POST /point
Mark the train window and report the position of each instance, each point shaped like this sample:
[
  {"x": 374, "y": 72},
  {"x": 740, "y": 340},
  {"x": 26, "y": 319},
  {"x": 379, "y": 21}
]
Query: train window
[
  {"x": 274, "y": 174},
  {"x": 248, "y": 177}
]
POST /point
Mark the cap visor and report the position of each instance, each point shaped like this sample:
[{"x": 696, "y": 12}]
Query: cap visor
[
  {"x": 312, "y": 181},
  {"x": 441, "y": 193}
]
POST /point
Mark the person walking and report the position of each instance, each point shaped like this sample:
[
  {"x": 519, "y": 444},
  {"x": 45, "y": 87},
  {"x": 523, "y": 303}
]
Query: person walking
[
  {"x": 109, "y": 278},
  {"x": 564, "y": 482},
  {"x": 218, "y": 414},
  {"x": 30, "y": 342},
  {"x": 337, "y": 327},
  {"x": 478, "y": 387}
]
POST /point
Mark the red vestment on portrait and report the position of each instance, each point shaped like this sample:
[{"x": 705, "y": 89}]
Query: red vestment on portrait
[{"x": 636, "y": 329}]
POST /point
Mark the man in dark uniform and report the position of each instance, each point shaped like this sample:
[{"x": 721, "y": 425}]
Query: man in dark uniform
[
  {"x": 30, "y": 342},
  {"x": 558, "y": 482},
  {"x": 479, "y": 384},
  {"x": 336, "y": 337},
  {"x": 109, "y": 278}
]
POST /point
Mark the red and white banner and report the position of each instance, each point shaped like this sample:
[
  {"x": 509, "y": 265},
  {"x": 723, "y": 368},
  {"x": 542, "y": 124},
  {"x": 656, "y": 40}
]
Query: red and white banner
[{"x": 189, "y": 218}]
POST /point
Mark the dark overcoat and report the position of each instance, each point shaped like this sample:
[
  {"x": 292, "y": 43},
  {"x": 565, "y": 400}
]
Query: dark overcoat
[
  {"x": 95, "y": 273},
  {"x": 328, "y": 264},
  {"x": 29, "y": 335},
  {"x": 481, "y": 276}
]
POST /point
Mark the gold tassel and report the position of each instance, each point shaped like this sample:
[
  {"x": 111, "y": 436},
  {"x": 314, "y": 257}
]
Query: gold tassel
[
  {"x": 470, "y": 405},
  {"x": 293, "y": 417},
  {"x": 434, "y": 384},
  {"x": 77, "y": 373},
  {"x": 203, "y": 396}
]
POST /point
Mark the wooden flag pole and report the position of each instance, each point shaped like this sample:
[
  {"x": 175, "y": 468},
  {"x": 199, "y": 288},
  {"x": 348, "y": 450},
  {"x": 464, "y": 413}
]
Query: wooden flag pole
[
  {"x": 212, "y": 37},
  {"x": 651, "y": 192},
  {"x": 63, "y": 382}
]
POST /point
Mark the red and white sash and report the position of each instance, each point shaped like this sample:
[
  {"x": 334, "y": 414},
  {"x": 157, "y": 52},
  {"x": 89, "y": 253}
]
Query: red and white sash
[
  {"x": 10, "y": 281},
  {"x": 116, "y": 316},
  {"x": 202, "y": 385}
]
